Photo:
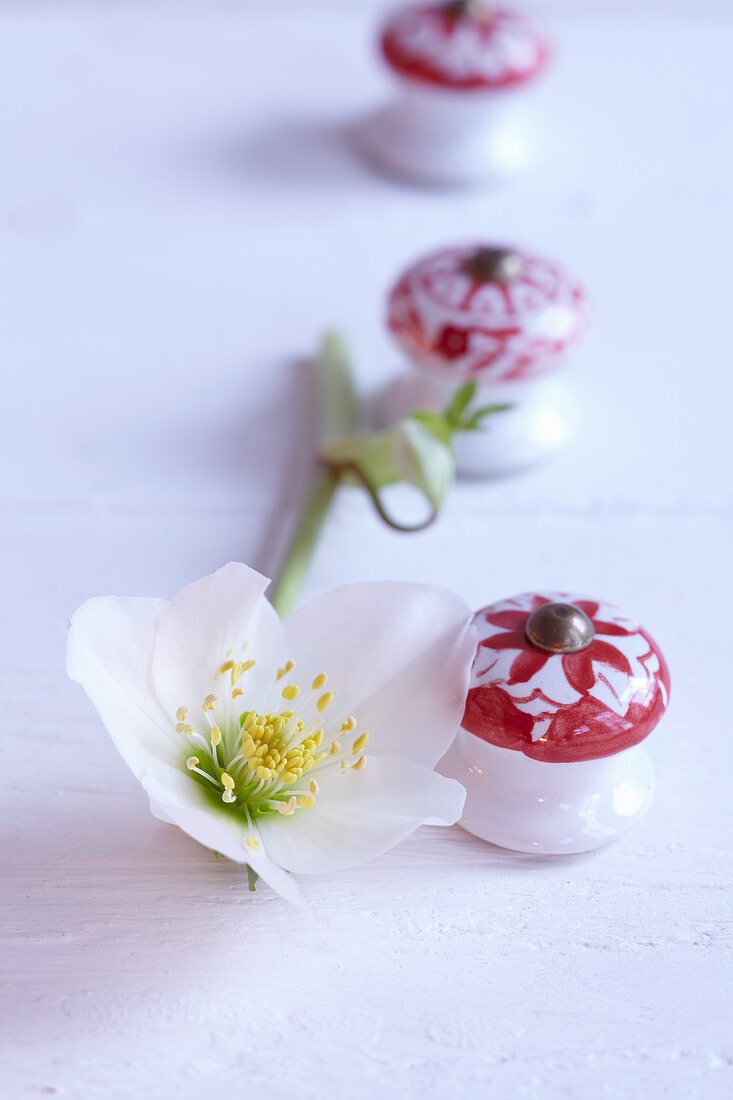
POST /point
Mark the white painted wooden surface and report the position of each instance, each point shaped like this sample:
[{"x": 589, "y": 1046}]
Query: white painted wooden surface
[{"x": 180, "y": 219}]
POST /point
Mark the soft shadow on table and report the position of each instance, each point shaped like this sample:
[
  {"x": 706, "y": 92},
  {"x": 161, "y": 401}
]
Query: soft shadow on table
[
  {"x": 304, "y": 153},
  {"x": 298, "y": 463},
  {"x": 250, "y": 460},
  {"x": 456, "y": 848},
  {"x": 297, "y": 152}
]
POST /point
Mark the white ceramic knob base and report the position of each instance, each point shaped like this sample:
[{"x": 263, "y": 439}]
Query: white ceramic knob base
[
  {"x": 552, "y": 809},
  {"x": 540, "y": 422},
  {"x": 444, "y": 137}
]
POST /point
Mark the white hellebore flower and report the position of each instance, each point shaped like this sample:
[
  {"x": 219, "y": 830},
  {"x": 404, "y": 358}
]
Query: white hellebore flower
[{"x": 306, "y": 746}]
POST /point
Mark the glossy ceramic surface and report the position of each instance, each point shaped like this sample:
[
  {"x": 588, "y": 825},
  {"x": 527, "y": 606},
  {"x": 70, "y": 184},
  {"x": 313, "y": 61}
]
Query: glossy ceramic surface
[
  {"x": 437, "y": 44},
  {"x": 451, "y": 323},
  {"x": 542, "y": 418},
  {"x": 443, "y": 137},
  {"x": 568, "y": 707},
  {"x": 531, "y": 806},
  {"x": 460, "y": 115}
]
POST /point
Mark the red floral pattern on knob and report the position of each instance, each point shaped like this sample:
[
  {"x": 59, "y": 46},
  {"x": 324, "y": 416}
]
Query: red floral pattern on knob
[
  {"x": 562, "y": 707},
  {"x": 452, "y": 342},
  {"x": 450, "y": 322},
  {"x": 432, "y": 44}
]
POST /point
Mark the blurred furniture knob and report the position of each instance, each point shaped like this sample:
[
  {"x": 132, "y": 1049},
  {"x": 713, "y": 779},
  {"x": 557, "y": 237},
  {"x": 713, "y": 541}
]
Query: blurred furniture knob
[
  {"x": 462, "y": 70},
  {"x": 505, "y": 318}
]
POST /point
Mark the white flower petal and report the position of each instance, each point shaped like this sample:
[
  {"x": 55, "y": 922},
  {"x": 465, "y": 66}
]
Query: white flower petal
[
  {"x": 109, "y": 652},
  {"x": 177, "y": 798},
  {"x": 203, "y": 623},
  {"x": 398, "y": 657},
  {"x": 157, "y": 811},
  {"x": 358, "y": 815}
]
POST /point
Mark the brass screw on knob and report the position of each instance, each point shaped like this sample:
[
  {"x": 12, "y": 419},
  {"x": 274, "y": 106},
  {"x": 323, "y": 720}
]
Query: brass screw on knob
[
  {"x": 559, "y": 628},
  {"x": 494, "y": 265},
  {"x": 468, "y": 9}
]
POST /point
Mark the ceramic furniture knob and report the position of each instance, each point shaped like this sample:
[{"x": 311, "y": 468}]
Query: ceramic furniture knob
[
  {"x": 505, "y": 318},
  {"x": 563, "y": 691},
  {"x": 462, "y": 70}
]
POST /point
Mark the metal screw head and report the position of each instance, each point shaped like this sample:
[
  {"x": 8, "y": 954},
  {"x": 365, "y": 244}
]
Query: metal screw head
[
  {"x": 494, "y": 265},
  {"x": 468, "y": 9},
  {"x": 559, "y": 628}
]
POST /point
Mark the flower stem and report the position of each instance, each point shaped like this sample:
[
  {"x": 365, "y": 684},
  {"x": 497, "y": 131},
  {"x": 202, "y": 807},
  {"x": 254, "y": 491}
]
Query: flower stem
[
  {"x": 336, "y": 416},
  {"x": 335, "y": 395},
  {"x": 284, "y": 592}
]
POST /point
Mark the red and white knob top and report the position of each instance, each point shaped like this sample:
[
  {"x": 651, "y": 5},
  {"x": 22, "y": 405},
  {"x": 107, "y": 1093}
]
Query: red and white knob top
[
  {"x": 466, "y": 45},
  {"x": 562, "y": 678},
  {"x": 485, "y": 312}
]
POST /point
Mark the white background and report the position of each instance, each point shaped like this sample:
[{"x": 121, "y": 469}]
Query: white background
[{"x": 181, "y": 217}]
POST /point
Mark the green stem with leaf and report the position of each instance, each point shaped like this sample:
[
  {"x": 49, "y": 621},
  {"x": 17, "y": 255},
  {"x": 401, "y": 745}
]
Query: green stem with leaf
[{"x": 417, "y": 450}]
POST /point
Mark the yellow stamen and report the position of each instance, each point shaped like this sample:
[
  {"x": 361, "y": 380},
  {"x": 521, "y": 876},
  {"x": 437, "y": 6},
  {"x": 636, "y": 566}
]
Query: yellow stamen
[
  {"x": 226, "y": 666},
  {"x": 183, "y": 728},
  {"x": 359, "y": 743},
  {"x": 228, "y": 796},
  {"x": 276, "y": 748},
  {"x": 285, "y": 808},
  {"x": 192, "y": 762},
  {"x": 324, "y": 701},
  {"x": 361, "y": 763},
  {"x": 181, "y": 714},
  {"x": 249, "y": 664},
  {"x": 306, "y": 801},
  {"x": 348, "y": 725},
  {"x": 253, "y": 844},
  {"x": 209, "y": 702},
  {"x": 319, "y": 681},
  {"x": 237, "y": 692},
  {"x": 289, "y": 665},
  {"x": 335, "y": 748}
]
